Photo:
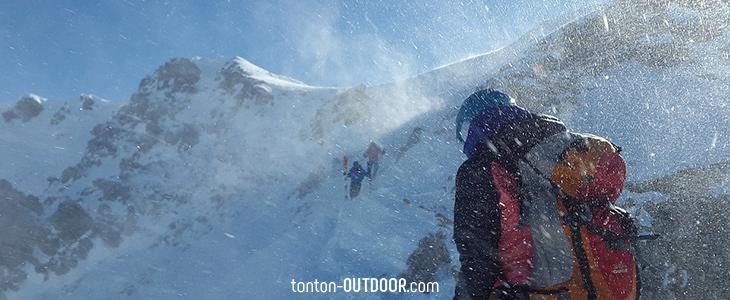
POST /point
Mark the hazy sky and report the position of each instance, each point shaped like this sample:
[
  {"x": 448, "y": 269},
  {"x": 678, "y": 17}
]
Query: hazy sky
[{"x": 59, "y": 49}]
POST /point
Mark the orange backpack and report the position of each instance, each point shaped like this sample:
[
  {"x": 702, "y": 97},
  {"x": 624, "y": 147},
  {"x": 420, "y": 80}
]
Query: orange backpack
[
  {"x": 582, "y": 245},
  {"x": 590, "y": 177}
]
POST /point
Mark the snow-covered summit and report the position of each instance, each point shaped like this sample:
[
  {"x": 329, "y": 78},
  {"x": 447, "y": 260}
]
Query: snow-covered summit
[
  {"x": 256, "y": 72},
  {"x": 25, "y": 109}
]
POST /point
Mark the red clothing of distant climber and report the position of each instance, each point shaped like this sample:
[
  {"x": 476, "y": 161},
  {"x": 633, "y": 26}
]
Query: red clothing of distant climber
[{"x": 373, "y": 152}]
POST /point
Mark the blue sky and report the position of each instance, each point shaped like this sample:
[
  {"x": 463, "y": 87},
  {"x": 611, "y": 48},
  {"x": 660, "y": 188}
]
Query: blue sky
[{"x": 59, "y": 49}]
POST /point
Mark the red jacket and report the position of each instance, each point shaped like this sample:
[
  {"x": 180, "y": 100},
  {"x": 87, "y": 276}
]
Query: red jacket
[{"x": 373, "y": 152}]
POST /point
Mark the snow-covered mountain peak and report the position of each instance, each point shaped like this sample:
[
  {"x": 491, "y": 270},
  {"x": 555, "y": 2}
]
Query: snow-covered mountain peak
[
  {"x": 251, "y": 69},
  {"x": 25, "y": 109},
  {"x": 244, "y": 67},
  {"x": 89, "y": 101},
  {"x": 39, "y": 137}
]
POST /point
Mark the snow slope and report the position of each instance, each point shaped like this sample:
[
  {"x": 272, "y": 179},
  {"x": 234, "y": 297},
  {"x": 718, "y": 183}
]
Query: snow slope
[{"x": 219, "y": 179}]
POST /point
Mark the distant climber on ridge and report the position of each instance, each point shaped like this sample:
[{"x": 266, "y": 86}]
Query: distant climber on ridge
[
  {"x": 373, "y": 154},
  {"x": 356, "y": 174}
]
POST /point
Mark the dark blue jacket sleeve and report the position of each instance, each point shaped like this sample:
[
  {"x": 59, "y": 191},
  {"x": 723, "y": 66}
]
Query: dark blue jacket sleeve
[{"x": 476, "y": 229}]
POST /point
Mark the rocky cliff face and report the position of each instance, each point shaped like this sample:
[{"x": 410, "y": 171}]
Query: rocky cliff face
[
  {"x": 690, "y": 259},
  {"x": 25, "y": 109},
  {"x": 136, "y": 166}
]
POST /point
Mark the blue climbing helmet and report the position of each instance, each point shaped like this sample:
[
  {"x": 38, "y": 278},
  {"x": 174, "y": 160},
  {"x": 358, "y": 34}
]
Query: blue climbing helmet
[{"x": 477, "y": 102}]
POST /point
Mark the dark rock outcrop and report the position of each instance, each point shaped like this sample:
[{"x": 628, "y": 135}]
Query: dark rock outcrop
[{"x": 25, "y": 109}]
